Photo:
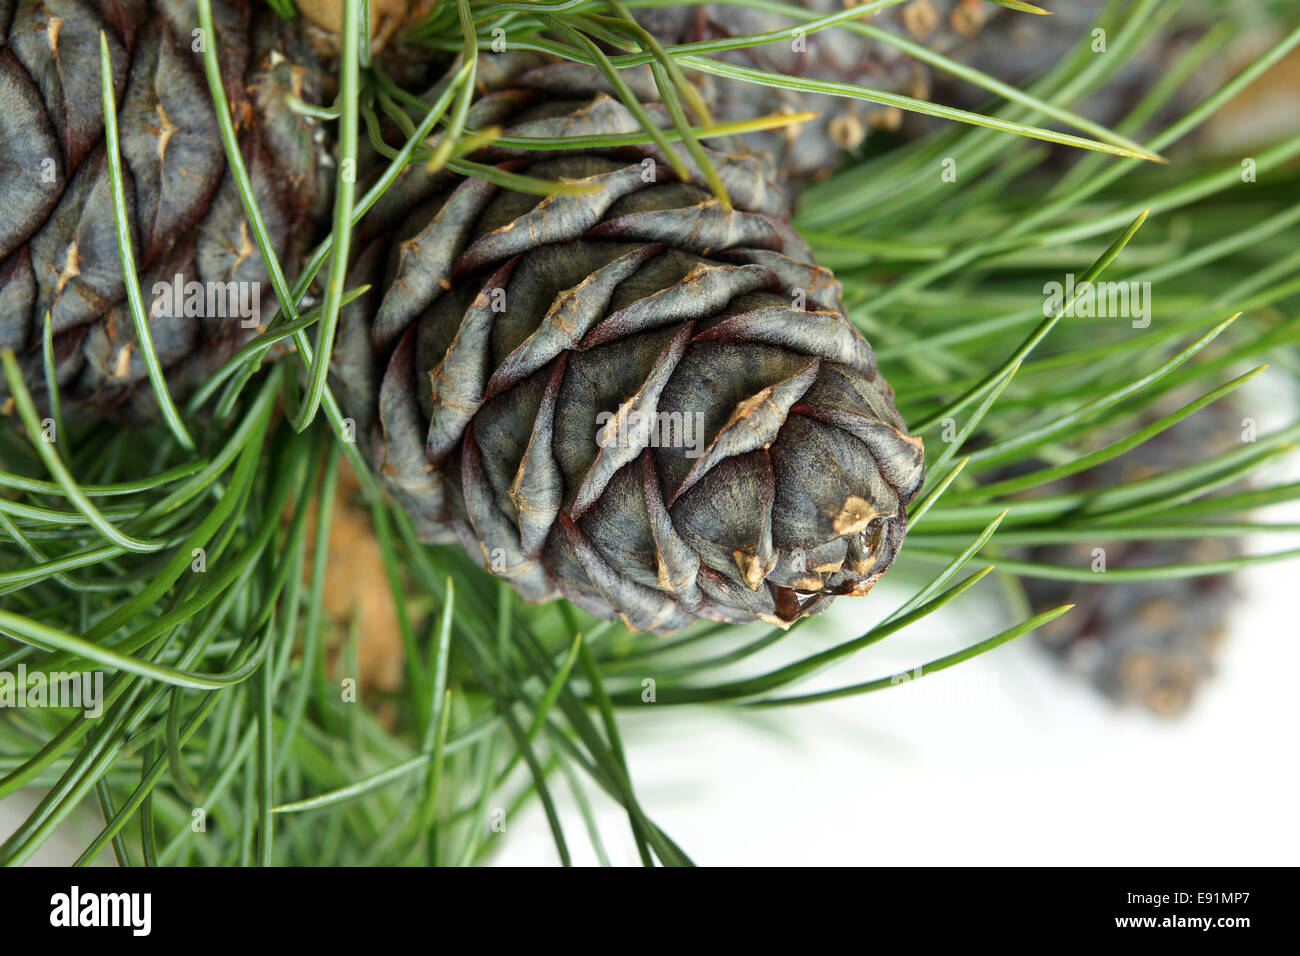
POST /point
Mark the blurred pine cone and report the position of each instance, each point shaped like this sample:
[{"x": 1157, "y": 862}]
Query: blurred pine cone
[
  {"x": 635, "y": 397},
  {"x": 814, "y": 149},
  {"x": 1146, "y": 642},
  {"x": 1019, "y": 49},
  {"x": 58, "y": 246}
]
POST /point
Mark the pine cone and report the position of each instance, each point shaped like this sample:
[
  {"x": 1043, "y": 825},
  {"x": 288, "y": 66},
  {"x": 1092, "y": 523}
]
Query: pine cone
[
  {"x": 813, "y": 150},
  {"x": 637, "y": 398},
  {"x": 1018, "y": 49},
  {"x": 58, "y": 247},
  {"x": 1149, "y": 642}
]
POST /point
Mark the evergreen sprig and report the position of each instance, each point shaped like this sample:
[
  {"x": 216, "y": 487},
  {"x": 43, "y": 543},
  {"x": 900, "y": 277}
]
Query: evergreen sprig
[{"x": 174, "y": 560}]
